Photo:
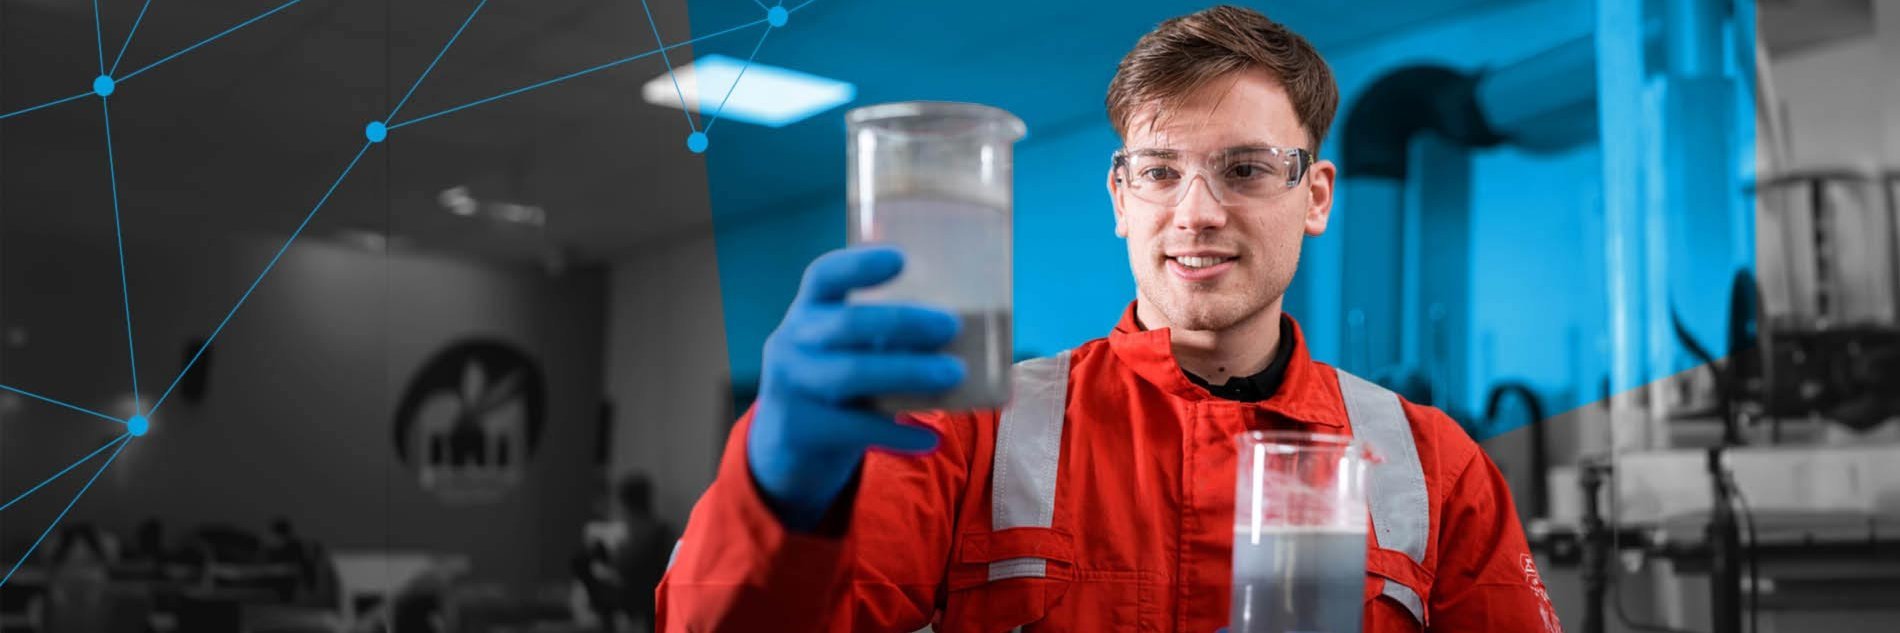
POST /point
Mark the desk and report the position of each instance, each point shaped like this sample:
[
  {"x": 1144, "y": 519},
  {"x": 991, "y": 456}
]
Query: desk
[{"x": 218, "y": 599}]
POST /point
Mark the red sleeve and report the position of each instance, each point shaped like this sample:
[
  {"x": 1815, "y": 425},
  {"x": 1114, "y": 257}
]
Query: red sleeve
[
  {"x": 1486, "y": 579},
  {"x": 738, "y": 569}
]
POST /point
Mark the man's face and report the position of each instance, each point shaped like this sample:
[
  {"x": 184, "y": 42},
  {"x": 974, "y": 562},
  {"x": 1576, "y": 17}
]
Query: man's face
[{"x": 1200, "y": 264}]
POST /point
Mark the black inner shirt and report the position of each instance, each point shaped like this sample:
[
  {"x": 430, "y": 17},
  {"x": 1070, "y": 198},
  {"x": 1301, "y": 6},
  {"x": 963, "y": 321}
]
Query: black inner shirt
[{"x": 1259, "y": 386}]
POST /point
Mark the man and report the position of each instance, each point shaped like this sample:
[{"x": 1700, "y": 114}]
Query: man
[
  {"x": 620, "y": 576},
  {"x": 282, "y": 546},
  {"x": 1102, "y": 499}
]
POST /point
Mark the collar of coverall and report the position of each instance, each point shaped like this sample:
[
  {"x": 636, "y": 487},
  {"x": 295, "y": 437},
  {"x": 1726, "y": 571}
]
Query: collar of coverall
[{"x": 1309, "y": 393}]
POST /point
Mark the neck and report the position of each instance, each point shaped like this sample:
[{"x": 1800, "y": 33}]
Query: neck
[{"x": 1242, "y": 349}]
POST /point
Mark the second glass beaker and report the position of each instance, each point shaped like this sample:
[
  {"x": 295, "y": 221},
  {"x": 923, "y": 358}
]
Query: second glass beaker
[{"x": 1300, "y": 520}]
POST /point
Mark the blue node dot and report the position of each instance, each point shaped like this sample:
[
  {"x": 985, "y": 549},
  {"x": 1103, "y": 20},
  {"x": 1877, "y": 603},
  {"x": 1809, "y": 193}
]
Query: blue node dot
[
  {"x": 103, "y": 86},
  {"x": 696, "y": 142},
  {"x": 777, "y": 16},
  {"x": 138, "y": 425},
  {"x": 376, "y": 131}
]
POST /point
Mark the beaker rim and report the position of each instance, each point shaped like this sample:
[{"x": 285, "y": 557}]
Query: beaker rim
[
  {"x": 902, "y": 110},
  {"x": 1316, "y": 439}
]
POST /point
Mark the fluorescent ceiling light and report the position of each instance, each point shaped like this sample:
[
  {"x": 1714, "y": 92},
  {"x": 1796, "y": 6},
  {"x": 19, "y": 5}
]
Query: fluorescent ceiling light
[
  {"x": 767, "y": 95},
  {"x": 459, "y": 201}
]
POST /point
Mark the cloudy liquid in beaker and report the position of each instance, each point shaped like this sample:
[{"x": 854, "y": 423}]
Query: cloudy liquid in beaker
[
  {"x": 956, "y": 258},
  {"x": 983, "y": 344},
  {"x": 1298, "y": 580}
]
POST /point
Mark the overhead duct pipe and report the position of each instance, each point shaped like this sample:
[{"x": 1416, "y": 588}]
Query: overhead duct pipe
[{"x": 1406, "y": 166}]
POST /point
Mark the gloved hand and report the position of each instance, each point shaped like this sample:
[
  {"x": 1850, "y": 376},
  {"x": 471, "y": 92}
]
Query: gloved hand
[{"x": 812, "y": 423}]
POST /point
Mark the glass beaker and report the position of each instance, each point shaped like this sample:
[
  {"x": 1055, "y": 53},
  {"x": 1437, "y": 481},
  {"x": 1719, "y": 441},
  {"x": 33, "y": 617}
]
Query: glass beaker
[
  {"x": 1300, "y": 521},
  {"x": 934, "y": 180}
]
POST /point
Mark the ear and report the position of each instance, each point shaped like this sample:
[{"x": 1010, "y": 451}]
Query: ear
[
  {"x": 1115, "y": 198},
  {"x": 1319, "y": 206}
]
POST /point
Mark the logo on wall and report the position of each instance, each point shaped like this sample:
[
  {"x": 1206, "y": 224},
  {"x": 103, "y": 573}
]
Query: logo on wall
[{"x": 470, "y": 420}]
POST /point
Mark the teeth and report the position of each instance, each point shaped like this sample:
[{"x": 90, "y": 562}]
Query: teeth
[{"x": 1199, "y": 262}]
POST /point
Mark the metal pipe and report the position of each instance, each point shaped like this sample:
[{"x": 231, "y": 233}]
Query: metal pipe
[
  {"x": 1548, "y": 101},
  {"x": 1595, "y": 546},
  {"x": 1725, "y": 547},
  {"x": 1694, "y": 38}
]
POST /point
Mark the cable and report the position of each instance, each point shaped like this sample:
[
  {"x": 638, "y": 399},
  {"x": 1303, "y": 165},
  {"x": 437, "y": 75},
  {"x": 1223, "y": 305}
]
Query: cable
[{"x": 1754, "y": 566}]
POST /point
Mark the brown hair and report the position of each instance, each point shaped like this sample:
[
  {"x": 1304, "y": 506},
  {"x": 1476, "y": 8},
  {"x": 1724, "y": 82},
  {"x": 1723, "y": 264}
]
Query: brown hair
[{"x": 1184, "y": 53}]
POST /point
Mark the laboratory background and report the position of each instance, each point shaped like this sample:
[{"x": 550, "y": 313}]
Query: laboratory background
[{"x": 323, "y": 315}]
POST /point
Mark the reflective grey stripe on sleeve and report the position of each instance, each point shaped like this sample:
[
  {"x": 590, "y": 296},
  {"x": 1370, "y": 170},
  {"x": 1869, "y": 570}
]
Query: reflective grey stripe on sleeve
[
  {"x": 1406, "y": 597},
  {"x": 1395, "y": 487},
  {"x": 1028, "y": 450},
  {"x": 675, "y": 555}
]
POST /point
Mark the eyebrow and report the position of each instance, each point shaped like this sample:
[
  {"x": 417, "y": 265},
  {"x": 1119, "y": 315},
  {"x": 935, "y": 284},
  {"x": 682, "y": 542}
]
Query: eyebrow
[
  {"x": 1166, "y": 152},
  {"x": 1155, "y": 153}
]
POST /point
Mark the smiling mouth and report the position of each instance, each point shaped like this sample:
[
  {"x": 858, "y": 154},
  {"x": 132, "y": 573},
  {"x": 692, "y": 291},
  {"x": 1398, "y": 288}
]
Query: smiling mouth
[{"x": 1200, "y": 262}]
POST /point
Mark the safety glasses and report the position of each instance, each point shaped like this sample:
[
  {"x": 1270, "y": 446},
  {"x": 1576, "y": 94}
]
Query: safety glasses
[{"x": 1239, "y": 176}]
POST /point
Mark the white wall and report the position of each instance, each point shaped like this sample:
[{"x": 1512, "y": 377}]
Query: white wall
[
  {"x": 1887, "y": 20},
  {"x": 1833, "y": 111},
  {"x": 667, "y": 369}
]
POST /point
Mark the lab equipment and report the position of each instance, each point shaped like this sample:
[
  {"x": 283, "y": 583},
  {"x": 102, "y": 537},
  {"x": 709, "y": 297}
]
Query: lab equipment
[
  {"x": 934, "y": 179},
  {"x": 1300, "y": 520}
]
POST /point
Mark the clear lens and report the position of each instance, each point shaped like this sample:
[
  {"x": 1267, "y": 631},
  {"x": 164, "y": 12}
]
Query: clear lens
[{"x": 1235, "y": 178}]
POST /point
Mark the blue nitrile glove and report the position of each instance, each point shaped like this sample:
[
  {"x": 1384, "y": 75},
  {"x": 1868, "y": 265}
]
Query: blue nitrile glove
[{"x": 812, "y": 422}]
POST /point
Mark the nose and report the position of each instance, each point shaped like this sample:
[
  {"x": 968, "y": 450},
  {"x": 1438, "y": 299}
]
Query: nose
[{"x": 1199, "y": 210}]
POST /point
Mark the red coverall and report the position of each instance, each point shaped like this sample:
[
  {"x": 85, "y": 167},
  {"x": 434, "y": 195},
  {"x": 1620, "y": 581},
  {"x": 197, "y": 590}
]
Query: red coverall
[{"x": 1143, "y": 522}]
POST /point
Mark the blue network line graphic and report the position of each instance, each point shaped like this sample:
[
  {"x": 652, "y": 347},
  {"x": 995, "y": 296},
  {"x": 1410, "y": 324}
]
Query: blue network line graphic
[
  {"x": 48, "y": 104},
  {"x": 128, "y": 39},
  {"x": 125, "y": 290},
  {"x": 260, "y": 275},
  {"x": 208, "y": 40},
  {"x": 375, "y": 132},
  {"x": 777, "y": 18},
  {"x": 437, "y": 60},
  {"x": 657, "y": 40},
  {"x": 61, "y": 403},
  {"x": 62, "y": 472},
  {"x": 578, "y": 73},
  {"x": 69, "y": 508}
]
